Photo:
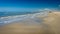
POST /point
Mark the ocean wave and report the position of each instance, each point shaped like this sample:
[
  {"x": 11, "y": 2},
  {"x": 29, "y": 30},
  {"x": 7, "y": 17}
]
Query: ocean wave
[{"x": 10, "y": 19}]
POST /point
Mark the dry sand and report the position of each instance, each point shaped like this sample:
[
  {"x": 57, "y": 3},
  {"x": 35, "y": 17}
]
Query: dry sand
[
  {"x": 53, "y": 21},
  {"x": 50, "y": 25}
]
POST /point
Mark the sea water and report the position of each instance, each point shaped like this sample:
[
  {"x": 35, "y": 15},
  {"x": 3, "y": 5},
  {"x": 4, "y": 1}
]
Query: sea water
[{"x": 6, "y": 17}]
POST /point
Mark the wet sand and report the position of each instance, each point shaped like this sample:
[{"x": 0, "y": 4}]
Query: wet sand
[
  {"x": 18, "y": 28},
  {"x": 27, "y": 26}
]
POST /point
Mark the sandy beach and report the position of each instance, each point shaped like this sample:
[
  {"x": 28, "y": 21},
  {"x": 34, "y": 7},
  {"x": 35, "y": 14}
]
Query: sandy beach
[{"x": 50, "y": 25}]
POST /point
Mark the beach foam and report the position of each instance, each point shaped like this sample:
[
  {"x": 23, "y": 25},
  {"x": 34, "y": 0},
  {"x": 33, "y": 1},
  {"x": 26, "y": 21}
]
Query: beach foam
[{"x": 10, "y": 19}]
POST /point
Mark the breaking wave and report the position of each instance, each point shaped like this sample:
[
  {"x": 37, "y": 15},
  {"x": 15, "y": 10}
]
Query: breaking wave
[{"x": 10, "y": 19}]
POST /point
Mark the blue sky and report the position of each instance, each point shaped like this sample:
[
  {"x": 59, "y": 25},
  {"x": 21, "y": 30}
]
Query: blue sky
[{"x": 28, "y": 5}]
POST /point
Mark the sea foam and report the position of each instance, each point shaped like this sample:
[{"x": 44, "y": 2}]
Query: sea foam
[{"x": 10, "y": 19}]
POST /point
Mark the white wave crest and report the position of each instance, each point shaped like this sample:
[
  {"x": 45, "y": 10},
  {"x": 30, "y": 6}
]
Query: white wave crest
[{"x": 10, "y": 19}]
